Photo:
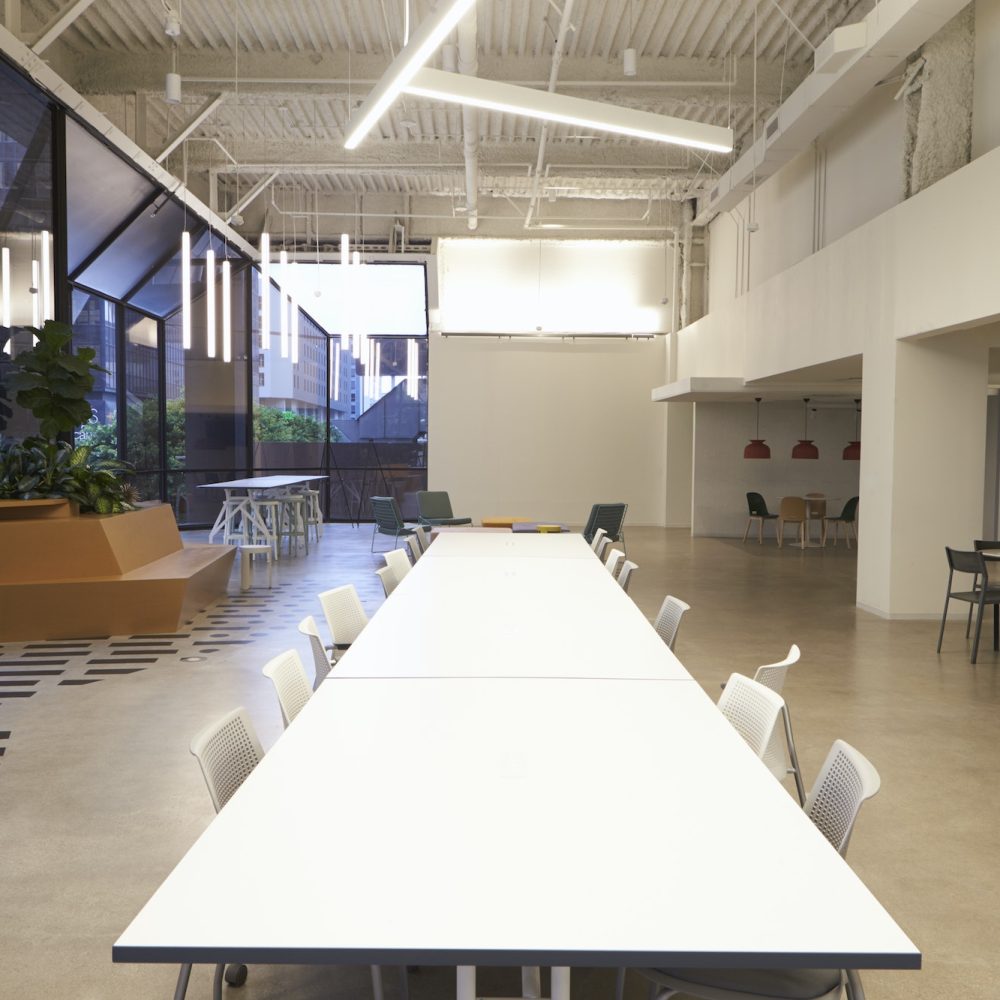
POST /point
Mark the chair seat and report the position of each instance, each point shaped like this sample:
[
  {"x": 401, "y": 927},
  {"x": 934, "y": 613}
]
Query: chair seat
[
  {"x": 766, "y": 517},
  {"x": 445, "y": 521},
  {"x": 772, "y": 984},
  {"x": 992, "y": 596}
]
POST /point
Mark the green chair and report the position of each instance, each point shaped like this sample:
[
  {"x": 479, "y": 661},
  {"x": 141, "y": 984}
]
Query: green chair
[
  {"x": 757, "y": 508},
  {"x": 848, "y": 518},
  {"x": 434, "y": 507},
  {"x": 610, "y": 517},
  {"x": 388, "y": 519}
]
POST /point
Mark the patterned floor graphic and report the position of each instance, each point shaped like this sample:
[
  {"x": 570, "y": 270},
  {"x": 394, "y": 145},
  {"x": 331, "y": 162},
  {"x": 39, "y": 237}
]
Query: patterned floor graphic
[{"x": 237, "y": 620}]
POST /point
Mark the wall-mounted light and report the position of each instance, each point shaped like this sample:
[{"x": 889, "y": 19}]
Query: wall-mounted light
[
  {"x": 265, "y": 291},
  {"x": 210, "y": 302},
  {"x": 805, "y": 448},
  {"x": 757, "y": 448}
]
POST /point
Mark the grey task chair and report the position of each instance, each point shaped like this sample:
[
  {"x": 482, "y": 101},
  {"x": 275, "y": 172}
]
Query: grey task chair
[
  {"x": 757, "y": 511},
  {"x": 610, "y": 517},
  {"x": 434, "y": 507},
  {"x": 388, "y": 519},
  {"x": 846, "y": 780},
  {"x": 980, "y": 594}
]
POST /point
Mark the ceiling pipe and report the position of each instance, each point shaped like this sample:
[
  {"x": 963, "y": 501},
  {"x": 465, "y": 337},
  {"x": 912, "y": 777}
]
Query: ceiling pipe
[
  {"x": 557, "y": 52},
  {"x": 468, "y": 63}
]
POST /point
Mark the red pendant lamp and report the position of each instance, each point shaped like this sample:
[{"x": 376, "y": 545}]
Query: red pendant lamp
[
  {"x": 757, "y": 448},
  {"x": 852, "y": 453},
  {"x": 805, "y": 448}
]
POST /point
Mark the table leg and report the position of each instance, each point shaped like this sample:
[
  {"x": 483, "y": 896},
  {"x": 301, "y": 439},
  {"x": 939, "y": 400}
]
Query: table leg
[
  {"x": 465, "y": 982},
  {"x": 560, "y": 982}
]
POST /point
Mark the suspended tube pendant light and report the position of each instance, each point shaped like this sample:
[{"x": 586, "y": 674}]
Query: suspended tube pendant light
[
  {"x": 186, "y": 290},
  {"x": 295, "y": 330},
  {"x": 265, "y": 291},
  {"x": 5, "y": 289},
  {"x": 283, "y": 339},
  {"x": 757, "y": 448},
  {"x": 210, "y": 301},
  {"x": 852, "y": 453},
  {"x": 35, "y": 311},
  {"x": 227, "y": 314},
  {"x": 805, "y": 448},
  {"x": 48, "y": 299}
]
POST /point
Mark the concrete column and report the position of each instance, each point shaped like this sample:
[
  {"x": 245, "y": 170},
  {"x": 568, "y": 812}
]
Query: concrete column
[
  {"x": 922, "y": 471},
  {"x": 680, "y": 464}
]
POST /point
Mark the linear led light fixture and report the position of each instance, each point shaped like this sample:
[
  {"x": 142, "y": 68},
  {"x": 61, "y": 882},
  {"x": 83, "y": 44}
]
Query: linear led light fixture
[
  {"x": 458, "y": 88},
  {"x": 5, "y": 289},
  {"x": 227, "y": 313},
  {"x": 422, "y": 44},
  {"x": 265, "y": 291},
  {"x": 210, "y": 302},
  {"x": 283, "y": 337},
  {"x": 186, "y": 290},
  {"x": 48, "y": 304}
]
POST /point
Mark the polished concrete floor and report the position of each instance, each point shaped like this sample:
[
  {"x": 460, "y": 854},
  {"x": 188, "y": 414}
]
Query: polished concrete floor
[{"x": 99, "y": 796}]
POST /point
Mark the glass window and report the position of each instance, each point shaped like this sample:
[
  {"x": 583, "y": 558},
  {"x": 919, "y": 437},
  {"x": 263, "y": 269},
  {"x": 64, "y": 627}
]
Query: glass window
[
  {"x": 142, "y": 400},
  {"x": 94, "y": 326}
]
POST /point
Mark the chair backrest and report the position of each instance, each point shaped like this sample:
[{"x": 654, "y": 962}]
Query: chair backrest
[
  {"x": 844, "y": 781},
  {"x": 421, "y": 536},
  {"x": 792, "y": 509},
  {"x": 227, "y": 751},
  {"x": 668, "y": 620},
  {"x": 389, "y": 579},
  {"x": 614, "y": 561},
  {"x": 601, "y": 547},
  {"x": 598, "y": 535},
  {"x": 756, "y": 505},
  {"x": 609, "y": 516},
  {"x": 345, "y": 617},
  {"x": 414, "y": 546},
  {"x": 960, "y": 561},
  {"x": 434, "y": 504},
  {"x": 388, "y": 518},
  {"x": 399, "y": 562},
  {"x": 625, "y": 573},
  {"x": 772, "y": 675},
  {"x": 321, "y": 662},
  {"x": 753, "y": 710},
  {"x": 850, "y": 511},
  {"x": 288, "y": 676}
]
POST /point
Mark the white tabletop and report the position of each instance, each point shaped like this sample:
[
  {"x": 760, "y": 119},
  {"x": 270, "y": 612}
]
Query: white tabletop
[
  {"x": 260, "y": 483},
  {"x": 485, "y": 544},
  {"x": 510, "y": 616},
  {"x": 512, "y": 822}
]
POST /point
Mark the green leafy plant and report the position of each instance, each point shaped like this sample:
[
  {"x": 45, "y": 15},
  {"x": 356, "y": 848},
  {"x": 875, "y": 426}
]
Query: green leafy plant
[
  {"x": 36, "y": 470},
  {"x": 53, "y": 383}
]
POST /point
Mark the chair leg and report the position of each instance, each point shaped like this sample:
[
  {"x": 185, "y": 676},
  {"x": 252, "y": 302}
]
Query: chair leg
[
  {"x": 979, "y": 627},
  {"x": 217, "y": 981},
  {"x": 760, "y": 531},
  {"x": 781, "y": 532},
  {"x": 531, "y": 982},
  {"x": 747, "y": 532},
  {"x": 944, "y": 615},
  {"x": 855, "y": 991},
  {"x": 620, "y": 985},
  {"x": 802, "y": 533},
  {"x": 377, "y": 992},
  {"x": 793, "y": 756},
  {"x": 847, "y": 536}
]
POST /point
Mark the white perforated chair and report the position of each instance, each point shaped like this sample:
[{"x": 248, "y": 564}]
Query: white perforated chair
[
  {"x": 668, "y": 619},
  {"x": 290, "y": 682},
  {"x": 227, "y": 751},
  {"x": 625, "y": 574},
  {"x": 614, "y": 561},
  {"x": 845, "y": 781},
  {"x": 602, "y": 547},
  {"x": 420, "y": 533},
  {"x": 399, "y": 562},
  {"x": 345, "y": 617},
  {"x": 598, "y": 538},
  {"x": 414, "y": 546},
  {"x": 388, "y": 578},
  {"x": 781, "y": 757},
  {"x": 321, "y": 660},
  {"x": 753, "y": 711}
]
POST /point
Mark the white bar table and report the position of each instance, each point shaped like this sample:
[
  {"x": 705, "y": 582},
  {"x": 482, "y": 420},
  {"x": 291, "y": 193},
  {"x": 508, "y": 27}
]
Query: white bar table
[{"x": 513, "y": 850}]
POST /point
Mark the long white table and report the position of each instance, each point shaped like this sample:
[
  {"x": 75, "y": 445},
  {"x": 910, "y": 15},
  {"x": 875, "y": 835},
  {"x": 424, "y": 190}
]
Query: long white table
[{"x": 490, "y": 819}]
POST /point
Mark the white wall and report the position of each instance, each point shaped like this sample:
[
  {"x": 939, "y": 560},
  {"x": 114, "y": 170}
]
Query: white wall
[
  {"x": 723, "y": 477},
  {"x": 986, "y": 78},
  {"x": 550, "y": 286},
  {"x": 544, "y": 429}
]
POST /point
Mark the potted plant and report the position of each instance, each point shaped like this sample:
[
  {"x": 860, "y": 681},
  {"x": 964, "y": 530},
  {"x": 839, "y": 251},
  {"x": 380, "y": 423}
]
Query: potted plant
[{"x": 52, "y": 383}]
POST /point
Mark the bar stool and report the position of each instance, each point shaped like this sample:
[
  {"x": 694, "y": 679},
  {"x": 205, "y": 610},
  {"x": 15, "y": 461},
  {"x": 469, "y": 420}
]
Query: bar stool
[
  {"x": 234, "y": 514},
  {"x": 264, "y": 515},
  {"x": 247, "y": 552},
  {"x": 314, "y": 513},
  {"x": 294, "y": 524}
]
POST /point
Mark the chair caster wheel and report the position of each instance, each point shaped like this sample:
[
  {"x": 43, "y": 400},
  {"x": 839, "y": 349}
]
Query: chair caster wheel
[{"x": 236, "y": 975}]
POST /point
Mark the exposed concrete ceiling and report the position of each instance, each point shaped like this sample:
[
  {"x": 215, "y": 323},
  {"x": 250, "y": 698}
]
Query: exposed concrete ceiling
[{"x": 279, "y": 79}]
